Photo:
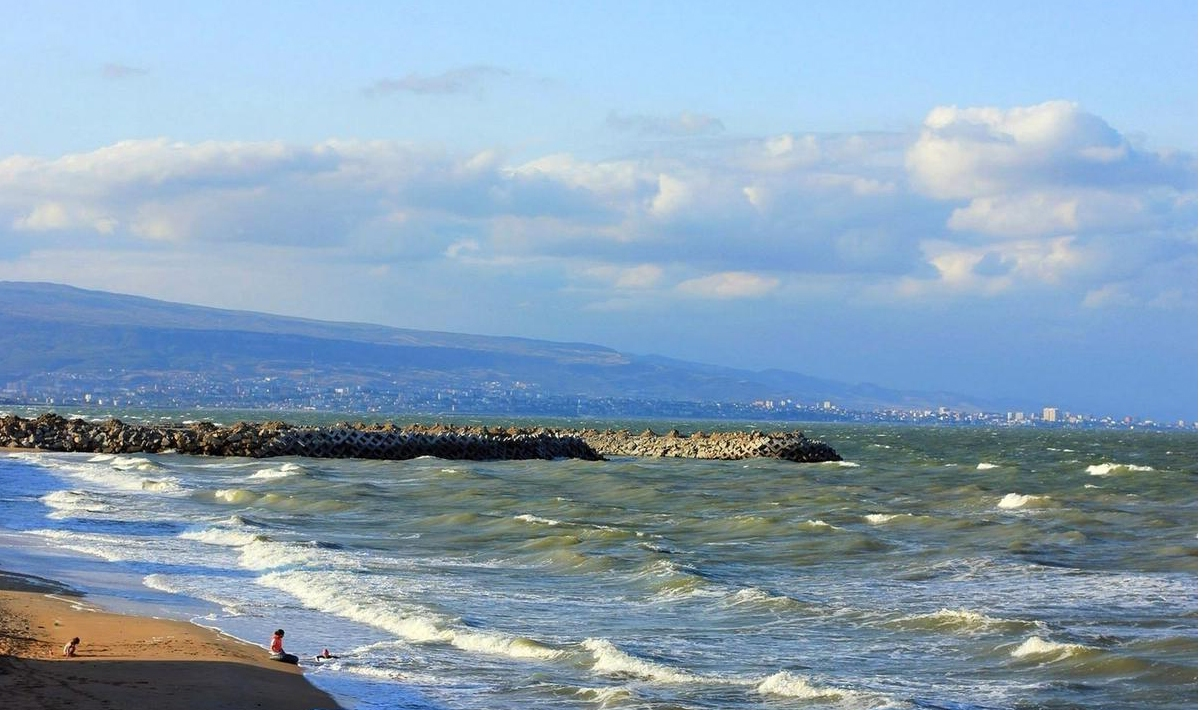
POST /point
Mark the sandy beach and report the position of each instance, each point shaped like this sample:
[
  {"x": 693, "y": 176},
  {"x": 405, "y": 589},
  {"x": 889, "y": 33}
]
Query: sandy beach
[{"x": 131, "y": 662}]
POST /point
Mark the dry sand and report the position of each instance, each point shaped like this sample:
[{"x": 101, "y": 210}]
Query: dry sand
[{"x": 131, "y": 662}]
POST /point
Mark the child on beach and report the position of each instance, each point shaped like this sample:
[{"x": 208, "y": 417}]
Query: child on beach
[
  {"x": 277, "y": 652},
  {"x": 69, "y": 649}
]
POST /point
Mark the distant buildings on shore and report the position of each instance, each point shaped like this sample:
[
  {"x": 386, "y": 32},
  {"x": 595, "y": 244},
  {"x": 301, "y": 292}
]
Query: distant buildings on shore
[{"x": 520, "y": 399}]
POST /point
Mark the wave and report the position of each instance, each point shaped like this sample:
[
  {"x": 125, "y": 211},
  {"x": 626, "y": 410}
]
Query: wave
[
  {"x": 753, "y": 596},
  {"x": 604, "y": 696},
  {"x": 223, "y": 536},
  {"x": 1017, "y": 500},
  {"x": 349, "y": 596},
  {"x": 817, "y": 525},
  {"x": 284, "y": 471},
  {"x": 109, "y": 471},
  {"x": 884, "y": 518},
  {"x": 197, "y": 588},
  {"x": 961, "y": 620},
  {"x": 984, "y": 466},
  {"x": 72, "y": 504},
  {"x": 1105, "y": 469},
  {"x": 671, "y": 580},
  {"x": 794, "y": 686},
  {"x": 527, "y": 518},
  {"x": 609, "y": 660},
  {"x": 1038, "y": 649}
]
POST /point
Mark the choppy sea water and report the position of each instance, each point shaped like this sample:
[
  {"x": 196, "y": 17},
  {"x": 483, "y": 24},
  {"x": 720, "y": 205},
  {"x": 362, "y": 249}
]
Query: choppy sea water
[{"x": 934, "y": 568}]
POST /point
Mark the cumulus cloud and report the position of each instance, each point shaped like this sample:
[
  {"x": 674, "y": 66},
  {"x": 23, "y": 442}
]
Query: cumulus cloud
[
  {"x": 1055, "y": 181},
  {"x": 981, "y": 202},
  {"x": 462, "y": 80}
]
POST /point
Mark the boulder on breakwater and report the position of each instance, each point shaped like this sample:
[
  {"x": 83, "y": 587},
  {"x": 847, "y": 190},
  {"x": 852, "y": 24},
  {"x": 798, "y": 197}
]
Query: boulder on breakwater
[{"x": 51, "y": 432}]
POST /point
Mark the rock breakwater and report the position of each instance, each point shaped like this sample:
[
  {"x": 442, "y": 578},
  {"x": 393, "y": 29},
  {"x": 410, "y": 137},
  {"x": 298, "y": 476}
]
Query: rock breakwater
[{"x": 51, "y": 432}]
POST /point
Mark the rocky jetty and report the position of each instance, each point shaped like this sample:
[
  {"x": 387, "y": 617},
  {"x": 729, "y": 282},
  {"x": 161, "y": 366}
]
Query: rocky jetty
[{"x": 51, "y": 432}]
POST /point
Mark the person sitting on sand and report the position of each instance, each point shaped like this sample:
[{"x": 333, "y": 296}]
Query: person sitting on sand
[
  {"x": 277, "y": 652},
  {"x": 69, "y": 649},
  {"x": 325, "y": 655}
]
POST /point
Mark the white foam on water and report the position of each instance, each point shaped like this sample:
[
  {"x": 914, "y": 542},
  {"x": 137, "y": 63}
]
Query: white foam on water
[
  {"x": 1106, "y": 469},
  {"x": 884, "y": 518},
  {"x": 237, "y": 496},
  {"x": 1012, "y": 501},
  {"x": 71, "y": 504},
  {"x": 222, "y": 536},
  {"x": 256, "y": 551},
  {"x": 527, "y": 518},
  {"x": 603, "y": 696},
  {"x": 793, "y": 686},
  {"x": 198, "y": 588},
  {"x": 284, "y": 471},
  {"x": 963, "y": 620},
  {"x": 341, "y": 595},
  {"x": 267, "y": 554},
  {"x": 107, "y": 547},
  {"x": 109, "y": 472},
  {"x": 1037, "y": 648},
  {"x": 607, "y": 659},
  {"x": 983, "y": 466},
  {"x": 818, "y": 525},
  {"x": 346, "y": 595}
]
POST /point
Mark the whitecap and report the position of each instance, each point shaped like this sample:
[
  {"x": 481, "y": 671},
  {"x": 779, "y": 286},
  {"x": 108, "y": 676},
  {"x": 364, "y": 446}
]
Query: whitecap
[
  {"x": 527, "y": 518},
  {"x": 1037, "y": 648},
  {"x": 239, "y": 496},
  {"x": 284, "y": 471},
  {"x": 68, "y": 504},
  {"x": 961, "y": 620},
  {"x": 1017, "y": 500},
  {"x": 221, "y": 536},
  {"x": 1105, "y": 469},
  {"x": 818, "y": 525},
  {"x": 884, "y": 518},
  {"x": 610, "y": 660},
  {"x": 794, "y": 686},
  {"x": 986, "y": 466}
]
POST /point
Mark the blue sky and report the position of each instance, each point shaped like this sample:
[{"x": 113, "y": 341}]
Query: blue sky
[{"x": 997, "y": 199}]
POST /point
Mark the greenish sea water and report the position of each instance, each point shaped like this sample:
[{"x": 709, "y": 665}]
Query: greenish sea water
[{"x": 933, "y": 568}]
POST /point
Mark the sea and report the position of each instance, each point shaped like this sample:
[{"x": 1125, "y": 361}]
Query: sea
[{"x": 934, "y": 568}]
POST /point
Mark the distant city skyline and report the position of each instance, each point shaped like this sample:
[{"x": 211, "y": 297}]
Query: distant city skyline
[{"x": 997, "y": 200}]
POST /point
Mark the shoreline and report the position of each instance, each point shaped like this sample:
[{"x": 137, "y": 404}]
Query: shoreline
[{"x": 131, "y": 661}]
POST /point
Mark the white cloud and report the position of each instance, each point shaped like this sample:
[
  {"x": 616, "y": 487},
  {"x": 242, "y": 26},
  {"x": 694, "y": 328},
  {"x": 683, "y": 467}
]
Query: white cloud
[
  {"x": 1023, "y": 215},
  {"x": 980, "y": 201},
  {"x": 673, "y": 196},
  {"x": 964, "y": 153},
  {"x": 643, "y": 276},
  {"x": 727, "y": 285}
]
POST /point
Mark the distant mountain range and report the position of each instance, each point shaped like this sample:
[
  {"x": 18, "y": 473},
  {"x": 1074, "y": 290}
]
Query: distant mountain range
[{"x": 56, "y": 332}]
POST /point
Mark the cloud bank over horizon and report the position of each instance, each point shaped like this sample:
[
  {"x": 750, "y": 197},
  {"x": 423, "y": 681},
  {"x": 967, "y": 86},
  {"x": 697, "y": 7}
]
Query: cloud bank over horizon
[{"x": 1033, "y": 229}]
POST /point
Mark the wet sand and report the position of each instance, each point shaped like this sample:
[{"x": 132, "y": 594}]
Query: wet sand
[{"x": 131, "y": 662}]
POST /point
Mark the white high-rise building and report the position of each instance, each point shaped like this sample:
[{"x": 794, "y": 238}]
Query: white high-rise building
[{"x": 1050, "y": 414}]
